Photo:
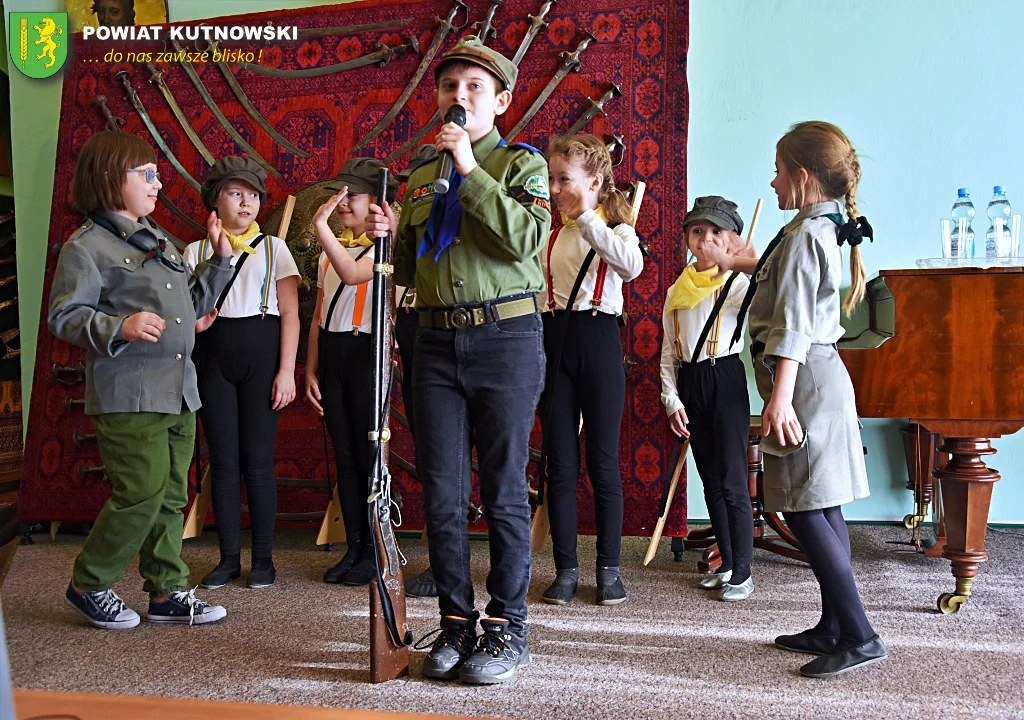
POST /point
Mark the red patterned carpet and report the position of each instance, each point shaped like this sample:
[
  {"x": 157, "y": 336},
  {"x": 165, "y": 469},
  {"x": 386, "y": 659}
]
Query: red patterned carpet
[{"x": 639, "y": 45}]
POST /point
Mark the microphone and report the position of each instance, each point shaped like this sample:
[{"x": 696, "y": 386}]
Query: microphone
[{"x": 456, "y": 114}]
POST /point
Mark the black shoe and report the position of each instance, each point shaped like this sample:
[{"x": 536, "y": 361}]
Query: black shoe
[
  {"x": 497, "y": 655},
  {"x": 262, "y": 575},
  {"x": 336, "y": 573},
  {"x": 807, "y": 642},
  {"x": 104, "y": 609},
  {"x": 423, "y": 585},
  {"x": 361, "y": 573},
  {"x": 611, "y": 594},
  {"x": 454, "y": 643},
  {"x": 871, "y": 651},
  {"x": 227, "y": 570},
  {"x": 561, "y": 592}
]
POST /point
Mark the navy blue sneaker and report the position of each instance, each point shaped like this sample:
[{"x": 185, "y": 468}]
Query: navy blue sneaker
[
  {"x": 104, "y": 609},
  {"x": 184, "y": 607}
]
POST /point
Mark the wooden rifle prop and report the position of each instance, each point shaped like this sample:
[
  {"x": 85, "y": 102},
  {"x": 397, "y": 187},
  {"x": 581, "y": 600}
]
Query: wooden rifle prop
[
  {"x": 570, "y": 63},
  {"x": 445, "y": 25},
  {"x": 114, "y": 123},
  {"x": 133, "y": 97},
  {"x": 390, "y": 636},
  {"x": 156, "y": 77},
  {"x": 536, "y": 23},
  {"x": 541, "y": 524},
  {"x": 381, "y": 56},
  {"x": 224, "y": 122},
  {"x": 682, "y": 446},
  {"x": 596, "y": 106}
]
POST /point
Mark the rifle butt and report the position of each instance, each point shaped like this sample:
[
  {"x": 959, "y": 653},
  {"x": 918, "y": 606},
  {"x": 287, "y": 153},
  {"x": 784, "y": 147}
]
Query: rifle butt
[
  {"x": 387, "y": 661},
  {"x": 200, "y": 508},
  {"x": 332, "y": 529}
]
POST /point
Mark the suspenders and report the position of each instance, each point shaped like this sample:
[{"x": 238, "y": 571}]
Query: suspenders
[
  {"x": 269, "y": 254},
  {"x": 602, "y": 272},
  {"x": 360, "y": 298}
]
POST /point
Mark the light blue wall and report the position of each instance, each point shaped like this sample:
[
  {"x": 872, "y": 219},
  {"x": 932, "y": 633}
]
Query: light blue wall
[{"x": 924, "y": 89}]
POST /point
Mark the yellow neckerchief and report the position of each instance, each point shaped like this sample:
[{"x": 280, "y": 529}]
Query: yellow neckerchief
[
  {"x": 348, "y": 239},
  {"x": 241, "y": 242},
  {"x": 692, "y": 287},
  {"x": 572, "y": 223}
]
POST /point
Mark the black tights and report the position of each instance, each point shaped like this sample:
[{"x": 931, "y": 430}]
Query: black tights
[{"x": 826, "y": 542}]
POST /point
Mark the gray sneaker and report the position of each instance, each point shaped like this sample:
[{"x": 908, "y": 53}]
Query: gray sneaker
[
  {"x": 497, "y": 655},
  {"x": 454, "y": 643}
]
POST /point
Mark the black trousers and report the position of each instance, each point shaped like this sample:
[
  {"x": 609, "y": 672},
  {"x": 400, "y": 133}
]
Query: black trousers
[
  {"x": 717, "y": 405},
  {"x": 345, "y": 374},
  {"x": 407, "y": 324},
  {"x": 236, "y": 360},
  {"x": 589, "y": 379}
]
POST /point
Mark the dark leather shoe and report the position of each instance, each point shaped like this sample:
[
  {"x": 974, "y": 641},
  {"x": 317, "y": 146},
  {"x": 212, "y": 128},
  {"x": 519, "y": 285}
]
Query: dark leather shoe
[
  {"x": 561, "y": 592},
  {"x": 225, "y": 572},
  {"x": 423, "y": 585},
  {"x": 361, "y": 573},
  {"x": 871, "y": 651},
  {"x": 336, "y": 573},
  {"x": 611, "y": 594},
  {"x": 261, "y": 577},
  {"x": 807, "y": 642}
]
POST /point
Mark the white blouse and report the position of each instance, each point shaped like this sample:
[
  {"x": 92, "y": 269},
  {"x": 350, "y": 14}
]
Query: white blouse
[{"x": 245, "y": 297}]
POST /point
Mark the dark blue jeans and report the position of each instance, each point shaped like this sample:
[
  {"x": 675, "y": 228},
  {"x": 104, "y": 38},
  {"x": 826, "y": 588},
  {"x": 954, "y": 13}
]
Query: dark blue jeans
[{"x": 486, "y": 381}]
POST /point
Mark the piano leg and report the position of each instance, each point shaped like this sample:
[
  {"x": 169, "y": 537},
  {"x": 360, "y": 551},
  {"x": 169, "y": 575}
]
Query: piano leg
[
  {"x": 919, "y": 446},
  {"x": 966, "y": 486}
]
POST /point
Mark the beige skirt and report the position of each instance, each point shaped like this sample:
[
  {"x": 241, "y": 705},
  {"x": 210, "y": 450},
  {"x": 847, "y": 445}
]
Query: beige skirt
[{"x": 828, "y": 468}]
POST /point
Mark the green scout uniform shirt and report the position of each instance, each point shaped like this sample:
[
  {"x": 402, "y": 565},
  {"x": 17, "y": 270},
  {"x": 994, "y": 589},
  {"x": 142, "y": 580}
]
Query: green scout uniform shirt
[
  {"x": 506, "y": 218},
  {"x": 100, "y": 281}
]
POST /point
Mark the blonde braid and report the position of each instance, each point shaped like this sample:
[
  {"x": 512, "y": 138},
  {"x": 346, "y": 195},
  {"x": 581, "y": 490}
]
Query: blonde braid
[{"x": 858, "y": 274}]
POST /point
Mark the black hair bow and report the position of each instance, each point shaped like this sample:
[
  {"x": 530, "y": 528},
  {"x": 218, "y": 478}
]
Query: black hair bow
[{"x": 854, "y": 232}]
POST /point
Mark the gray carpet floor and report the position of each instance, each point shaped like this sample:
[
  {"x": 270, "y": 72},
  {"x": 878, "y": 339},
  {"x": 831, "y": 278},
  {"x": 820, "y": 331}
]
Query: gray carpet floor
[{"x": 668, "y": 652}]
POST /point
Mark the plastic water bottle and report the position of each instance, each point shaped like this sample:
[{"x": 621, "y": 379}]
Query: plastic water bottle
[
  {"x": 963, "y": 208},
  {"x": 998, "y": 207}
]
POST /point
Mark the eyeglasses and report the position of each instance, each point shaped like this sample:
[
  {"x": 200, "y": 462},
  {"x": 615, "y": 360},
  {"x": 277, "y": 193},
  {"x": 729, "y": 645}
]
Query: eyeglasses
[{"x": 150, "y": 176}]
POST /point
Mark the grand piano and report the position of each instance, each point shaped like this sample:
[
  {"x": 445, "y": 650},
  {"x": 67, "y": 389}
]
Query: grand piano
[{"x": 945, "y": 349}]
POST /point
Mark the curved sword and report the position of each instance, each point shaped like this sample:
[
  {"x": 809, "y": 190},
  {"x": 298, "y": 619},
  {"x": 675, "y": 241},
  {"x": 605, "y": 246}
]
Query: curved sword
[
  {"x": 255, "y": 114},
  {"x": 225, "y": 123},
  {"x": 596, "y": 106},
  {"x": 570, "y": 62},
  {"x": 536, "y": 23},
  {"x": 444, "y": 26},
  {"x": 485, "y": 28},
  {"x": 349, "y": 29},
  {"x": 133, "y": 97},
  {"x": 114, "y": 124},
  {"x": 617, "y": 143},
  {"x": 157, "y": 78},
  {"x": 382, "y": 55}
]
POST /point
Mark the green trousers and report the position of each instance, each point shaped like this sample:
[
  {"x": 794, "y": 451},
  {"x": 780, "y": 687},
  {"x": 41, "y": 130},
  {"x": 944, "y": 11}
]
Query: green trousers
[{"x": 147, "y": 457}]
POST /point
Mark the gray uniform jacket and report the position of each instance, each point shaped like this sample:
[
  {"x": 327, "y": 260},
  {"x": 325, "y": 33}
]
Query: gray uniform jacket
[
  {"x": 795, "y": 312},
  {"x": 100, "y": 281}
]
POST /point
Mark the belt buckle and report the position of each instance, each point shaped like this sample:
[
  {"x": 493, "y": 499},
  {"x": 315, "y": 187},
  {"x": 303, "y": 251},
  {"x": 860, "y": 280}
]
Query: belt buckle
[{"x": 460, "y": 318}]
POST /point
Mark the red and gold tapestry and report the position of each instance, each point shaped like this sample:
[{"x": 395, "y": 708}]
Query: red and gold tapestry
[{"x": 639, "y": 45}]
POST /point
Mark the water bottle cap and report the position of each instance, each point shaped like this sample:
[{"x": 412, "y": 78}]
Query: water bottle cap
[
  {"x": 998, "y": 190},
  {"x": 963, "y": 192}
]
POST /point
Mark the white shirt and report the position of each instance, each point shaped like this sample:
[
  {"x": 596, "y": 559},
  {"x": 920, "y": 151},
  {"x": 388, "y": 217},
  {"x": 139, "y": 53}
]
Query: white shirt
[
  {"x": 246, "y": 294},
  {"x": 618, "y": 248},
  {"x": 343, "y": 319},
  {"x": 678, "y": 347}
]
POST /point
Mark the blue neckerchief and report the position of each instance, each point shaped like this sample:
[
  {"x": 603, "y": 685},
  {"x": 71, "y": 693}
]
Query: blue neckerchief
[{"x": 445, "y": 218}]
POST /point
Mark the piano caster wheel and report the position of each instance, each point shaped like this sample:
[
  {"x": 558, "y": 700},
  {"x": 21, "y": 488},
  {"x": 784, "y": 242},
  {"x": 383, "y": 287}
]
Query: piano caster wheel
[
  {"x": 678, "y": 547},
  {"x": 950, "y": 603},
  {"x": 911, "y": 522}
]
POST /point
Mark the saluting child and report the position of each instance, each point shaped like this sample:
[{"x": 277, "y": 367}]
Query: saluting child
[
  {"x": 339, "y": 360},
  {"x": 121, "y": 291},
  {"x": 704, "y": 386},
  {"x": 813, "y": 452},
  {"x": 245, "y": 353},
  {"x": 585, "y": 263}
]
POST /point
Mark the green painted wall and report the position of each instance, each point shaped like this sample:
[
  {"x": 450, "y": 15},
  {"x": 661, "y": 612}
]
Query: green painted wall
[{"x": 916, "y": 98}]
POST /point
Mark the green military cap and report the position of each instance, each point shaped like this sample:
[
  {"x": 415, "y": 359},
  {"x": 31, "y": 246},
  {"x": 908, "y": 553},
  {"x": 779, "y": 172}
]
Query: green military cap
[
  {"x": 360, "y": 176},
  {"x": 472, "y": 50},
  {"x": 716, "y": 210},
  {"x": 232, "y": 167}
]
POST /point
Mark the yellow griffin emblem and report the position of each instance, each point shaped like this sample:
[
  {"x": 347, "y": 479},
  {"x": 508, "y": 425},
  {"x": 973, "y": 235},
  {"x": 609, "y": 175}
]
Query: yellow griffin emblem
[{"x": 46, "y": 32}]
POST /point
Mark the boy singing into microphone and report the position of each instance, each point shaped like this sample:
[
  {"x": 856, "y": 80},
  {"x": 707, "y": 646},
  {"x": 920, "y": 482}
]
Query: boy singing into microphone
[{"x": 473, "y": 255}]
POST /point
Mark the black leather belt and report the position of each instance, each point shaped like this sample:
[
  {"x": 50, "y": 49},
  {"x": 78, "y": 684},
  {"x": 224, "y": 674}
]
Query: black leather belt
[{"x": 461, "y": 317}]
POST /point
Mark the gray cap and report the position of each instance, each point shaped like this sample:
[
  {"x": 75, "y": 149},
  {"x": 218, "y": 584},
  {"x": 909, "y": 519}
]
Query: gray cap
[
  {"x": 232, "y": 167},
  {"x": 716, "y": 210},
  {"x": 359, "y": 175}
]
